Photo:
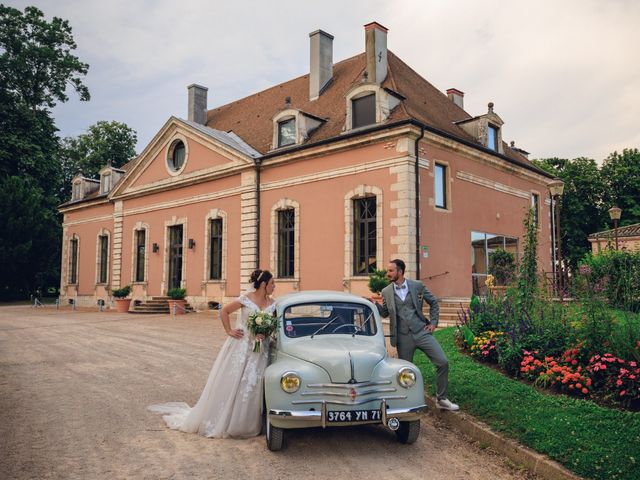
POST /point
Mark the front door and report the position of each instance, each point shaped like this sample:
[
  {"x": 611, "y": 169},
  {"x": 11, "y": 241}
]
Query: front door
[{"x": 175, "y": 256}]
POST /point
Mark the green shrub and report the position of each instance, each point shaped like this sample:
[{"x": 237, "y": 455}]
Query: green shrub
[
  {"x": 377, "y": 281},
  {"x": 121, "y": 292},
  {"x": 502, "y": 265},
  {"x": 177, "y": 293},
  {"x": 614, "y": 275}
]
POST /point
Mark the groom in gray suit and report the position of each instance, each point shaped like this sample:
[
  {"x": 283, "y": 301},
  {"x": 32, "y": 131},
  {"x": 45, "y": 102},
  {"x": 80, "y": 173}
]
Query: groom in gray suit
[{"x": 402, "y": 302}]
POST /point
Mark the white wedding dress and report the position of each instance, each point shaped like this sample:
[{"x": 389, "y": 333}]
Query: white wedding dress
[{"x": 231, "y": 402}]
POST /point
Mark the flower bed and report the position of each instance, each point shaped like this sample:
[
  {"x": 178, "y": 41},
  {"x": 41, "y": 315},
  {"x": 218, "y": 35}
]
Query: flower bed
[
  {"x": 590, "y": 439},
  {"x": 580, "y": 350}
]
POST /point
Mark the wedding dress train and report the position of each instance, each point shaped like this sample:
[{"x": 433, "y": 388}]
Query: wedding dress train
[{"x": 231, "y": 403}]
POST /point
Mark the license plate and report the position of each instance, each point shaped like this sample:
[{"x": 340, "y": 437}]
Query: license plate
[{"x": 354, "y": 416}]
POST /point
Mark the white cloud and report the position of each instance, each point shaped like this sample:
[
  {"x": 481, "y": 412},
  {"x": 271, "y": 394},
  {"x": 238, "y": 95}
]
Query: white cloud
[{"x": 563, "y": 75}]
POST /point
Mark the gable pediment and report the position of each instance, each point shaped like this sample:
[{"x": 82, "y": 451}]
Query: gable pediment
[{"x": 183, "y": 152}]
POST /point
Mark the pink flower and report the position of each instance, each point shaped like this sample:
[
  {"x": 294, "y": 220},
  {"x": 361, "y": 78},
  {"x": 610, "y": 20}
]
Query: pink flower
[
  {"x": 622, "y": 393},
  {"x": 585, "y": 269},
  {"x": 632, "y": 364},
  {"x": 619, "y": 382}
]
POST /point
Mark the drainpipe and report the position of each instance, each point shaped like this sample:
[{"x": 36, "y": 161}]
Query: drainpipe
[
  {"x": 258, "y": 164},
  {"x": 417, "y": 187}
]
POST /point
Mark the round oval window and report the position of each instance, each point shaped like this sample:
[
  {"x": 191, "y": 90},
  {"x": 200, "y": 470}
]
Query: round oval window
[{"x": 177, "y": 154}]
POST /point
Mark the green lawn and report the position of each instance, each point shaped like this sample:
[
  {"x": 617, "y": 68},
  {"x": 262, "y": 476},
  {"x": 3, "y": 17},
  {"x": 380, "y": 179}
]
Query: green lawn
[{"x": 592, "y": 441}]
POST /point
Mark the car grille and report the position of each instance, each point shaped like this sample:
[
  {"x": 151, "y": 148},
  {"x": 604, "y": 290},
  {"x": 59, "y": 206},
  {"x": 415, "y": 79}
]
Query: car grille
[{"x": 349, "y": 393}]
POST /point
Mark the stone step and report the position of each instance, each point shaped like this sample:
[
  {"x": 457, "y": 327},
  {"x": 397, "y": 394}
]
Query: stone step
[{"x": 157, "y": 305}]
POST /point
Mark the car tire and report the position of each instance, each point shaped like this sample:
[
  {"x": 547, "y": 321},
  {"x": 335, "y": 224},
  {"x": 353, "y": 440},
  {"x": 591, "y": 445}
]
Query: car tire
[
  {"x": 408, "y": 432},
  {"x": 275, "y": 437}
]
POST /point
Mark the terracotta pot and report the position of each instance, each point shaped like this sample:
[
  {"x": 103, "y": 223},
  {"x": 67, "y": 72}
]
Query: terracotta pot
[
  {"x": 498, "y": 290},
  {"x": 122, "y": 305},
  {"x": 376, "y": 297},
  {"x": 179, "y": 306}
]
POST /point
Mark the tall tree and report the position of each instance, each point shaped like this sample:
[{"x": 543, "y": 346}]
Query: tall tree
[
  {"x": 621, "y": 172},
  {"x": 36, "y": 67},
  {"x": 29, "y": 239},
  {"x": 105, "y": 143},
  {"x": 581, "y": 207}
]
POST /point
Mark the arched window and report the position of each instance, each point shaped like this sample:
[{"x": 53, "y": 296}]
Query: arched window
[
  {"x": 285, "y": 239},
  {"x": 216, "y": 245},
  {"x": 363, "y": 227},
  {"x": 102, "y": 257},
  {"x": 74, "y": 247}
]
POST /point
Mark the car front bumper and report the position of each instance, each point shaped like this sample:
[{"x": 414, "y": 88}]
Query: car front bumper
[{"x": 318, "y": 418}]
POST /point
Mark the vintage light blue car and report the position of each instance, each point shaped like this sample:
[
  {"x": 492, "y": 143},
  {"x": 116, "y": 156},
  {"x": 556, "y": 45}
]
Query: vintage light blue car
[{"x": 330, "y": 367}]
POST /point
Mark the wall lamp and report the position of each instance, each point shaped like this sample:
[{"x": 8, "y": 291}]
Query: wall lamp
[
  {"x": 192, "y": 243},
  {"x": 155, "y": 248}
]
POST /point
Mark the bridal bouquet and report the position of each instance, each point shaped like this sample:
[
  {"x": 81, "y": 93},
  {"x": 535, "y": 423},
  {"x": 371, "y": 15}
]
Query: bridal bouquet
[{"x": 261, "y": 323}]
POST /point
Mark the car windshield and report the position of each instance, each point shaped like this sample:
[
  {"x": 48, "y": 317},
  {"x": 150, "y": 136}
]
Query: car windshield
[{"x": 311, "y": 319}]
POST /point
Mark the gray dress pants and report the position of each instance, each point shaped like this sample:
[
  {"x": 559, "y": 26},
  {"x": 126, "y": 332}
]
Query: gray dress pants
[{"x": 425, "y": 341}]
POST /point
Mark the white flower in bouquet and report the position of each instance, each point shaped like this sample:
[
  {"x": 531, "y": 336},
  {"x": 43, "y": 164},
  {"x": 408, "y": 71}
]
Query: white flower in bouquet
[{"x": 261, "y": 323}]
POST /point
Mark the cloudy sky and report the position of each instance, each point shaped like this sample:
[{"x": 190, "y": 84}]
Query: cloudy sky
[{"x": 564, "y": 75}]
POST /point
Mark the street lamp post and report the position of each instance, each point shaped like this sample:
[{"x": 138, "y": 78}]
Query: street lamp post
[
  {"x": 614, "y": 214},
  {"x": 556, "y": 188}
]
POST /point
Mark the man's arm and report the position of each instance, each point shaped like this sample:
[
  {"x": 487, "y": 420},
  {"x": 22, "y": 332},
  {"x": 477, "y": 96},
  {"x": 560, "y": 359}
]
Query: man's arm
[
  {"x": 434, "y": 308},
  {"x": 383, "y": 310}
]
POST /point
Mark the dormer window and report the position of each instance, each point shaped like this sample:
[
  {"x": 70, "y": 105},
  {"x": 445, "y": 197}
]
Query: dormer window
[
  {"x": 369, "y": 104},
  {"x": 486, "y": 129},
  {"x": 105, "y": 183},
  {"x": 492, "y": 138},
  {"x": 363, "y": 111},
  {"x": 293, "y": 127},
  {"x": 286, "y": 132},
  {"x": 76, "y": 191}
]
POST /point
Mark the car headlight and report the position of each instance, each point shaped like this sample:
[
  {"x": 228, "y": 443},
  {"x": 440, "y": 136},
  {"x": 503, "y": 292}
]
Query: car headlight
[
  {"x": 406, "y": 377},
  {"x": 290, "y": 382}
]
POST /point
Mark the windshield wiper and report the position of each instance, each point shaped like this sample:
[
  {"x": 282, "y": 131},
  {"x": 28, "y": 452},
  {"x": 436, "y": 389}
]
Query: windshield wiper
[
  {"x": 325, "y": 326},
  {"x": 360, "y": 329}
]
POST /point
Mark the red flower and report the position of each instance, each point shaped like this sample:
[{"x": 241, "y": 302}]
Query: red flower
[{"x": 585, "y": 391}]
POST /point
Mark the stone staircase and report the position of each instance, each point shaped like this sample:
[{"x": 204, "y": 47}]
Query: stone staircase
[
  {"x": 449, "y": 308},
  {"x": 155, "y": 305}
]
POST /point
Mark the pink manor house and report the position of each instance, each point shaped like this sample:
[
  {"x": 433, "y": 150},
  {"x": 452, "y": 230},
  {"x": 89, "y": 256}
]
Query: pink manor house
[{"x": 320, "y": 179}]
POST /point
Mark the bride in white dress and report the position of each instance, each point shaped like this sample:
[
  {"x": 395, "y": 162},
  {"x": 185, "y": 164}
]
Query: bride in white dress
[{"x": 231, "y": 403}]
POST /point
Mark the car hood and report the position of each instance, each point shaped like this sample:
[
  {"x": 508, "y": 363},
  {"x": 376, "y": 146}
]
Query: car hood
[{"x": 337, "y": 355}]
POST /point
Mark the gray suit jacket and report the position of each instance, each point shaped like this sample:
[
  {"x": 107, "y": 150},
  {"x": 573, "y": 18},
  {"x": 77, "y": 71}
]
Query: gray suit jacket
[{"x": 420, "y": 294}]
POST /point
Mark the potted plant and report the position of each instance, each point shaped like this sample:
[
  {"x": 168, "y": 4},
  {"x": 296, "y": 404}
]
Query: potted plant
[
  {"x": 377, "y": 281},
  {"x": 177, "y": 302},
  {"x": 502, "y": 267},
  {"x": 122, "y": 303}
]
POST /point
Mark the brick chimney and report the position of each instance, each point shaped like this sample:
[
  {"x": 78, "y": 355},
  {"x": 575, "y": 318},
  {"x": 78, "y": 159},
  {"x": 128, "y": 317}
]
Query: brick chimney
[
  {"x": 197, "y": 107},
  {"x": 321, "y": 59},
  {"x": 456, "y": 96},
  {"x": 376, "y": 52}
]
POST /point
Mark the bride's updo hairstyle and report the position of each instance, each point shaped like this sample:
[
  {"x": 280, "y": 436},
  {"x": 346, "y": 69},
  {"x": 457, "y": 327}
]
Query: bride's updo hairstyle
[{"x": 260, "y": 276}]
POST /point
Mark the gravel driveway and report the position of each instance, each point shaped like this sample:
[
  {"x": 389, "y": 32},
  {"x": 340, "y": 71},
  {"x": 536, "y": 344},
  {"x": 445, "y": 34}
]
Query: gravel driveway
[{"x": 74, "y": 387}]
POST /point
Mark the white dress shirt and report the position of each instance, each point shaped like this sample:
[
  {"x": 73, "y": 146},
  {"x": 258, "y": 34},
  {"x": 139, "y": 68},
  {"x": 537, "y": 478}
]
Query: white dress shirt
[{"x": 401, "y": 291}]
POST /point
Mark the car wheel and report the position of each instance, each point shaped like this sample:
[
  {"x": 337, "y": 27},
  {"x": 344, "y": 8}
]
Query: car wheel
[
  {"x": 275, "y": 437},
  {"x": 408, "y": 432}
]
